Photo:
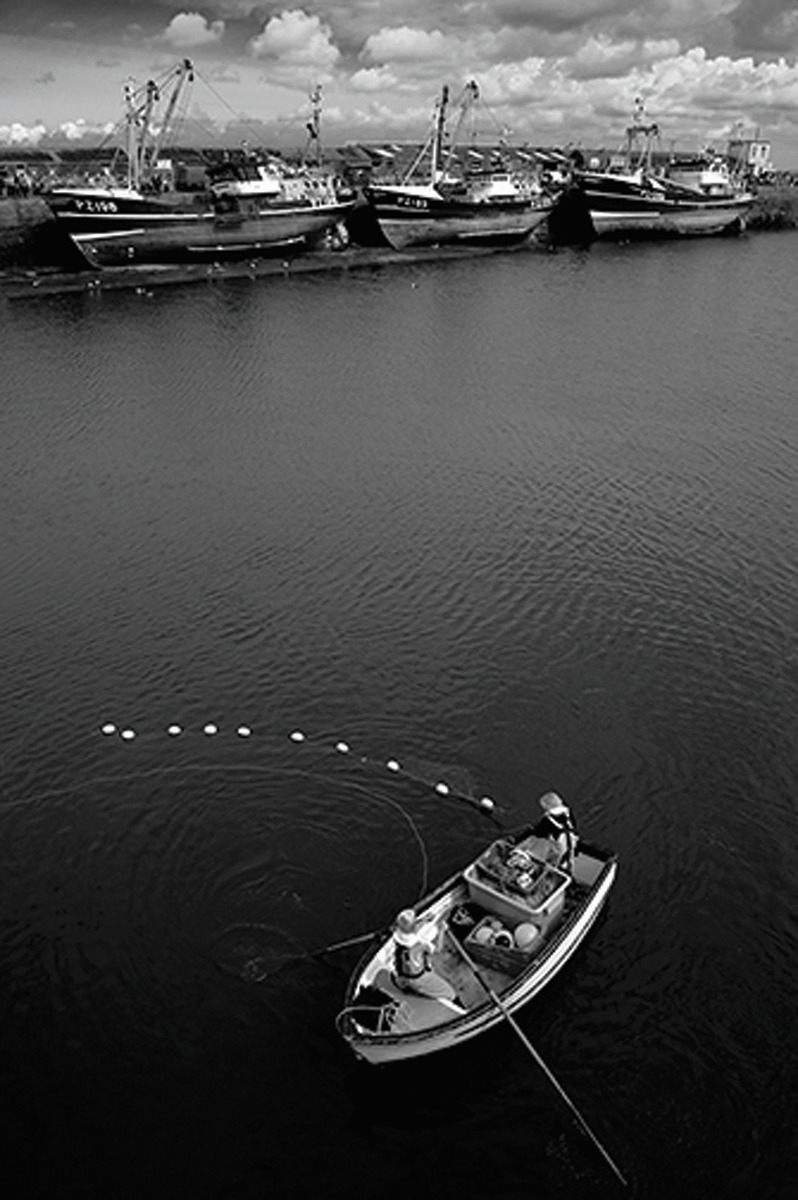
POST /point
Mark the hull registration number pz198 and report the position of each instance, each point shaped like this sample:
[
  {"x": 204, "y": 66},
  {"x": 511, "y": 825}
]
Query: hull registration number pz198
[{"x": 95, "y": 206}]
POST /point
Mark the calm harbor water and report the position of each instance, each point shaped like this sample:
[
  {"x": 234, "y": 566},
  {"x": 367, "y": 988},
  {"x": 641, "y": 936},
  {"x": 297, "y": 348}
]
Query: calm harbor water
[{"x": 523, "y": 522}]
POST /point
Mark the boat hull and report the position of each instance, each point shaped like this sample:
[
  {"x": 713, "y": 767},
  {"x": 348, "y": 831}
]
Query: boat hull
[
  {"x": 97, "y": 210},
  {"x": 618, "y": 211},
  {"x": 409, "y": 219},
  {"x": 202, "y": 235},
  {"x": 375, "y": 1047}
]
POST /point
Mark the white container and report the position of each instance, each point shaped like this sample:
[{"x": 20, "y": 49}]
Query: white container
[{"x": 514, "y": 907}]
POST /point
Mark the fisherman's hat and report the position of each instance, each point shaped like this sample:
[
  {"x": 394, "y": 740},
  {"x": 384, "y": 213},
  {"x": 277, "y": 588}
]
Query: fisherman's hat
[
  {"x": 405, "y": 928},
  {"x": 553, "y": 803}
]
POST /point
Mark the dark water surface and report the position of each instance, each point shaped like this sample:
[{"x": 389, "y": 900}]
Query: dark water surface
[{"x": 524, "y": 521}]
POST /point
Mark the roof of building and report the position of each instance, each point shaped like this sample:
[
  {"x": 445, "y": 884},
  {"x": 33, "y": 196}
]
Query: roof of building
[{"x": 26, "y": 155}]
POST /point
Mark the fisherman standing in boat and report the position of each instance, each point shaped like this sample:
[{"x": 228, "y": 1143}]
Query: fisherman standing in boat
[
  {"x": 556, "y": 833},
  {"x": 413, "y": 971}
]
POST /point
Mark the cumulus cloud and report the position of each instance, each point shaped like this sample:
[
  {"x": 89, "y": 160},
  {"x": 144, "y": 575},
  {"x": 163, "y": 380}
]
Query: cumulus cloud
[
  {"x": 190, "y": 30},
  {"x": 601, "y": 58},
  {"x": 403, "y": 45},
  {"x": 559, "y": 69},
  {"x": 75, "y": 131},
  {"x": 373, "y": 79},
  {"x": 378, "y": 121},
  {"x": 589, "y": 99},
  {"x": 295, "y": 39},
  {"x": 696, "y": 82},
  {"x": 18, "y": 134}
]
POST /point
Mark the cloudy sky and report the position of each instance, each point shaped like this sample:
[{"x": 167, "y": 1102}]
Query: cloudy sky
[{"x": 551, "y": 72}]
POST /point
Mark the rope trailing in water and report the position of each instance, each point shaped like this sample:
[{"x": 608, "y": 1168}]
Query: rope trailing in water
[
  {"x": 305, "y": 955},
  {"x": 518, "y": 1031},
  {"x": 412, "y": 769},
  {"x": 211, "y": 729}
]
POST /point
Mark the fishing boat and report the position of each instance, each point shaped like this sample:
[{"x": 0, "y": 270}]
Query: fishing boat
[
  {"x": 248, "y": 204},
  {"x": 253, "y": 208},
  {"x": 503, "y": 927},
  {"x": 635, "y": 199},
  {"x": 438, "y": 201}
]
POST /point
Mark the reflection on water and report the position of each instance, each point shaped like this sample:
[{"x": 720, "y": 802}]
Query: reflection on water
[{"x": 529, "y": 519}]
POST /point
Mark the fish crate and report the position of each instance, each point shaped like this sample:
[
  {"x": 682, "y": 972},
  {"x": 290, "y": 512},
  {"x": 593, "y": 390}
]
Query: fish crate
[
  {"x": 538, "y": 904},
  {"x": 509, "y": 959}
]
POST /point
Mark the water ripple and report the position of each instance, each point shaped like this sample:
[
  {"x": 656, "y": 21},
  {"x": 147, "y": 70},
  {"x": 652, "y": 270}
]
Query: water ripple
[{"x": 529, "y": 518}]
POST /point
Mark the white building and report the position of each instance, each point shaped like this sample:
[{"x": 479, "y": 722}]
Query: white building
[{"x": 751, "y": 154}]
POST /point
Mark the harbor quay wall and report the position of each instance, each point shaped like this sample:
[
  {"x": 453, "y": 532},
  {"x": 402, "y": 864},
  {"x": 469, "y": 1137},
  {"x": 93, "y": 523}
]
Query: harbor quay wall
[{"x": 31, "y": 237}]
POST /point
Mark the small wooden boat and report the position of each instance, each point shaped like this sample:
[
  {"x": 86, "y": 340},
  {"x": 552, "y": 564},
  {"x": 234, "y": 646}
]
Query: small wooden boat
[{"x": 503, "y": 927}]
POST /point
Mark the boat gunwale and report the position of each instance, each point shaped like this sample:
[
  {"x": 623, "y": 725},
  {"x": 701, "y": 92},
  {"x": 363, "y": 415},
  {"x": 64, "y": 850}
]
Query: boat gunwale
[{"x": 514, "y": 996}]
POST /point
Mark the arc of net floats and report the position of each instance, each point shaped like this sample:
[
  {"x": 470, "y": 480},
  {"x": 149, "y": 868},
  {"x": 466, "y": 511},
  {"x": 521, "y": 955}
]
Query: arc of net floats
[
  {"x": 210, "y": 729},
  {"x": 486, "y": 803}
]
